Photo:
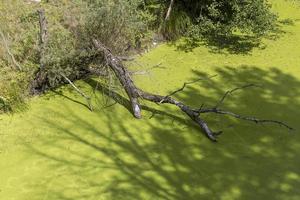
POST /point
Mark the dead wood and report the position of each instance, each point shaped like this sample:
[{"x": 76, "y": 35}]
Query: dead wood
[{"x": 135, "y": 94}]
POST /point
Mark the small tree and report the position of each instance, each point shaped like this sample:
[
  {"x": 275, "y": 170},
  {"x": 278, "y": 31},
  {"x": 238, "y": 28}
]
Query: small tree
[{"x": 201, "y": 18}]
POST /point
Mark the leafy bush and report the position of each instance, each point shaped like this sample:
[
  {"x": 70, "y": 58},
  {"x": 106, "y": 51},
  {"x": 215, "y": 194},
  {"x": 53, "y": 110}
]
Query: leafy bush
[
  {"x": 120, "y": 24},
  {"x": 222, "y": 17},
  {"x": 13, "y": 87},
  {"x": 18, "y": 37}
]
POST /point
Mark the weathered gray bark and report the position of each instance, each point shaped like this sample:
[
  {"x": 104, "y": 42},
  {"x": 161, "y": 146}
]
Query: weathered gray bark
[
  {"x": 135, "y": 93},
  {"x": 123, "y": 75},
  {"x": 169, "y": 10}
]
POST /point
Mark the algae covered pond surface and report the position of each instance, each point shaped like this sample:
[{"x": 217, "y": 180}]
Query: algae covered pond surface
[{"x": 58, "y": 150}]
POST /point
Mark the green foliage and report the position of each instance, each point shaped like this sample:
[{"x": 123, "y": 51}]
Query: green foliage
[
  {"x": 19, "y": 37},
  {"x": 177, "y": 26},
  {"x": 18, "y": 24},
  {"x": 122, "y": 25},
  {"x": 118, "y": 24},
  {"x": 13, "y": 87},
  {"x": 223, "y": 17}
]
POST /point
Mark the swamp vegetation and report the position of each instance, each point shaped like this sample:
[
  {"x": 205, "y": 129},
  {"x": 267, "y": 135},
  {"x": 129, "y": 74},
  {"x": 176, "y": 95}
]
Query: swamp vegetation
[{"x": 52, "y": 146}]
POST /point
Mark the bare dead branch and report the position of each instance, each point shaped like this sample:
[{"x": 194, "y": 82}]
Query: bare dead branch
[
  {"x": 169, "y": 10},
  {"x": 123, "y": 75},
  {"x": 186, "y": 84},
  {"x": 232, "y": 91},
  {"x": 186, "y": 109},
  {"x": 17, "y": 65},
  {"x": 88, "y": 99},
  {"x": 247, "y": 118},
  {"x": 135, "y": 93}
]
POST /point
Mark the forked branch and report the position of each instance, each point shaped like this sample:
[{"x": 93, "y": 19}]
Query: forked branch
[
  {"x": 232, "y": 91},
  {"x": 135, "y": 93},
  {"x": 87, "y": 98},
  {"x": 185, "y": 84}
]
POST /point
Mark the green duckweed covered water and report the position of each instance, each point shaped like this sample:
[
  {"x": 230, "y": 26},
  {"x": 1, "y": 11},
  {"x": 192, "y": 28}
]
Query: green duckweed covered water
[{"x": 58, "y": 150}]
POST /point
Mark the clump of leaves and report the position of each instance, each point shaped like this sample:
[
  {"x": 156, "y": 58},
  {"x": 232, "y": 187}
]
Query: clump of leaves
[
  {"x": 118, "y": 24},
  {"x": 223, "y": 17},
  {"x": 13, "y": 87}
]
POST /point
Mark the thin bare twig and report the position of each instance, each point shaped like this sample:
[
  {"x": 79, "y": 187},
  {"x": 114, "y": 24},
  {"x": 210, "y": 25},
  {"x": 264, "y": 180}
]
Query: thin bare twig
[
  {"x": 184, "y": 86},
  {"x": 147, "y": 70},
  {"x": 88, "y": 99},
  {"x": 232, "y": 91},
  {"x": 135, "y": 94},
  {"x": 247, "y": 118},
  {"x": 169, "y": 10}
]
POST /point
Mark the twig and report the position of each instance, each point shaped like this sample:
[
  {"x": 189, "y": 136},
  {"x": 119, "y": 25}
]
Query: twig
[
  {"x": 9, "y": 52},
  {"x": 232, "y": 91},
  {"x": 169, "y": 10},
  {"x": 184, "y": 85},
  {"x": 147, "y": 70},
  {"x": 247, "y": 118},
  {"x": 88, "y": 99},
  {"x": 135, "y": 93}
]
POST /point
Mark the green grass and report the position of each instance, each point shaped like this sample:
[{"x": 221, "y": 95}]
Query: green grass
[{"x": 58, "y": 149}]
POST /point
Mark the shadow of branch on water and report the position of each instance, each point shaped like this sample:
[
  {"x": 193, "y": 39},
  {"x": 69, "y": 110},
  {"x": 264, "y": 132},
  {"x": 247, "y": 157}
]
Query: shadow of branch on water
[
  {"x": 110, "y": 155},
  {"x": 233, "y": 43}
]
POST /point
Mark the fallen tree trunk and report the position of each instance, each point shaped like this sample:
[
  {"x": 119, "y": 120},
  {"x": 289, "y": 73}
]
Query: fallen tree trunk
[
  {"x": 41, "y": 83},
  {"x": 135, "y": 93},
  {"x": 123, "y": 75}
]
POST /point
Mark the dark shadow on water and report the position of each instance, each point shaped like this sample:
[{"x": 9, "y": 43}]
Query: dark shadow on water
[
  {"x": 233, "y": 43},
  {"x": 123, "y": 161},
  {"x": 60, "y": 93},
  {"x": 119, "y": 99}
]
